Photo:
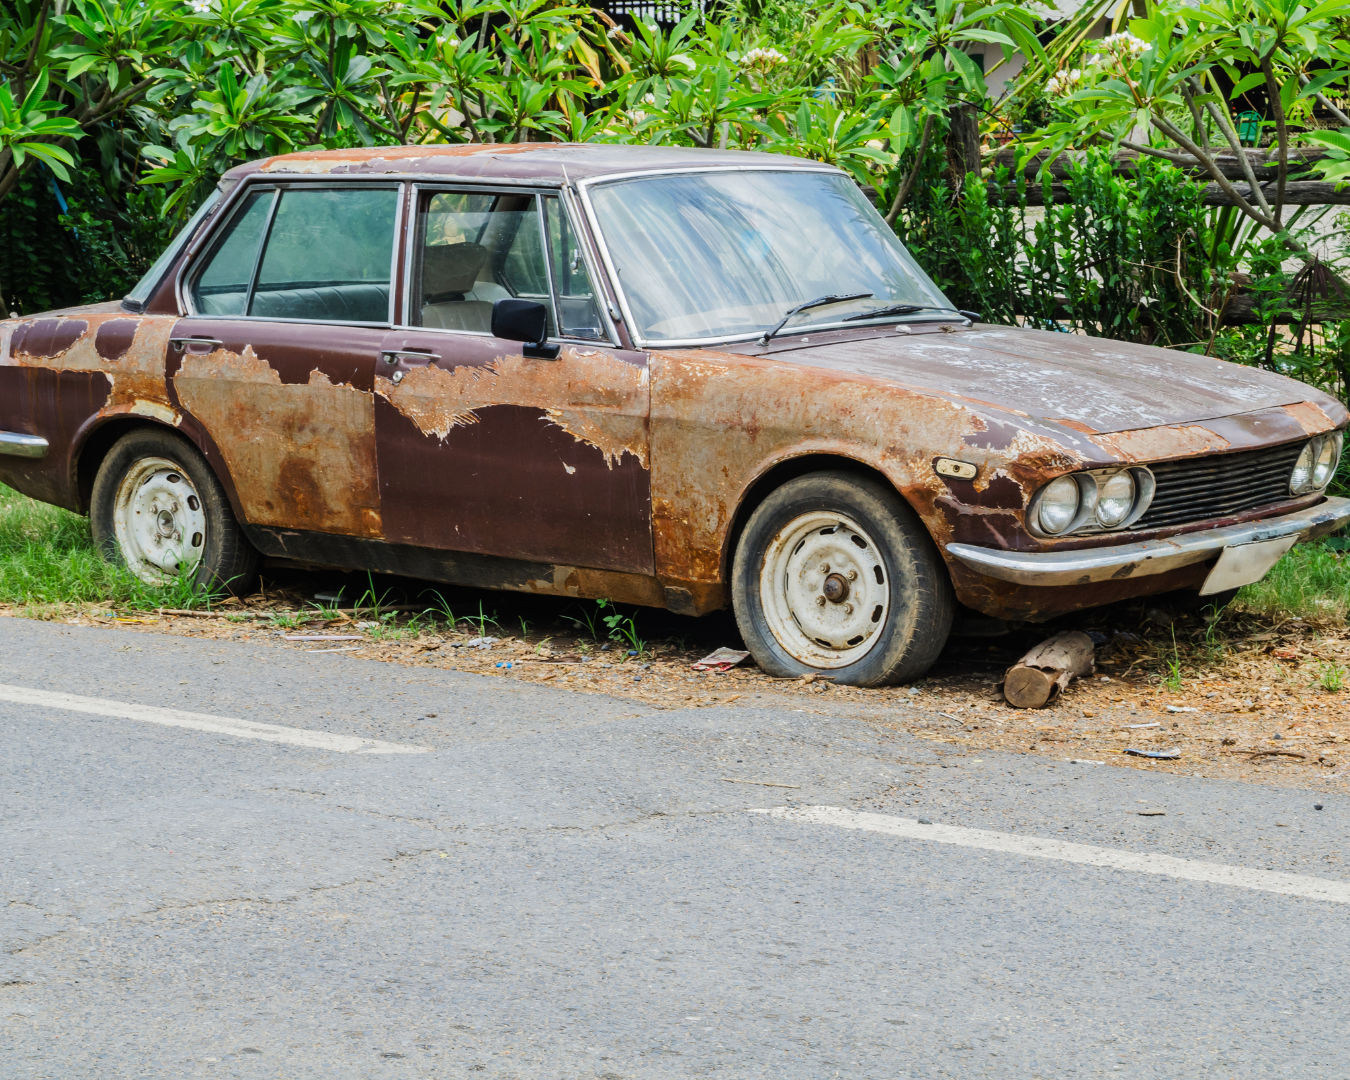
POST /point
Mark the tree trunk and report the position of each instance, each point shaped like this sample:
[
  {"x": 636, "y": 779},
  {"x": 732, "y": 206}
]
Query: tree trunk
[{"x": 963, "y": 141}]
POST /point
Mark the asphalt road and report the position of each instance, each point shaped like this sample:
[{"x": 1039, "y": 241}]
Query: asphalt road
[{"x": 563, "y": 885}]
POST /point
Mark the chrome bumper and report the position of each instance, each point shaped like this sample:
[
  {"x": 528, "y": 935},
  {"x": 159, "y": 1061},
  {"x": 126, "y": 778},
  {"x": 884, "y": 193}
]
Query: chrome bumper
[
  {"x": 16, "y": 445},
  {"x": 1086, "y": 565}
]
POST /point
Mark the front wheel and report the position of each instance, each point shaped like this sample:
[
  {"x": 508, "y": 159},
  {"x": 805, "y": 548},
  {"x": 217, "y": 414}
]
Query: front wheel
[
  {"x": 158, "y": 509},
  {"x": 835, "y": 575}
]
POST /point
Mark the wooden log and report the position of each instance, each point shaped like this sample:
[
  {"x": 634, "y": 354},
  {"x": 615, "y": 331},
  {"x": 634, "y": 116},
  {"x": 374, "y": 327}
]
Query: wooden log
[
  {"x": 1296, "y": 193},
  {"x": 1127, "y": 161},
  {"x": 1043, "y": 673}
]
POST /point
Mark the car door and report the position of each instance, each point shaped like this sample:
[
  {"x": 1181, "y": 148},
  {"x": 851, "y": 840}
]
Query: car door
[
  {"x": 483, "y": 449},
  {"x": 276, "y": 359}
]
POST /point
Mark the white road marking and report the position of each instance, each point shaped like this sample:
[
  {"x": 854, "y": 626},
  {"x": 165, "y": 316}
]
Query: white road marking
[
  {"x": 219, "y": 725},
  {"x": 1242, "y": 877}
]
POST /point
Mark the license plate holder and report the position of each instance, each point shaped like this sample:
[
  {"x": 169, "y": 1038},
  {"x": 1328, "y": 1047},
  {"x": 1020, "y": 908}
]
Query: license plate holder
[{"x": 1243, "y": 564}]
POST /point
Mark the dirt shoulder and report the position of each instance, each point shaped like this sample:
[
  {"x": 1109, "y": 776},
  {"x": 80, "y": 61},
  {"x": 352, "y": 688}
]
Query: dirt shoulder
[{"x": 1251, "y": 704}]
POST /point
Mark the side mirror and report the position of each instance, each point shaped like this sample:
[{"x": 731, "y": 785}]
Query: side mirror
[{"x": 527, "y": 321}]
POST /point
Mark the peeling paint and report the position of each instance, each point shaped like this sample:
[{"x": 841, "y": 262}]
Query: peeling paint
[
  {"x": 595, "y": 397},
  {"x": 1312, "y": 419},
  {"x": 1160, "y": 444},
  {"x": 135, "y": 372},
  {"x": 301, "y": 455}
]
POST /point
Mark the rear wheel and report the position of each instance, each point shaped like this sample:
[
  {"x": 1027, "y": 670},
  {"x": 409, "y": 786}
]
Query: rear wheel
[
  {"x": 835, "y": 575},
  {"x": 158, "y": 509}
]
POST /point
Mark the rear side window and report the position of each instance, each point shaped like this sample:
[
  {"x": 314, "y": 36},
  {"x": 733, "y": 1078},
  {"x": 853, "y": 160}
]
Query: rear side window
[
  {"x": 326, "y": 257},
  {"x": 222, "y": 287}
]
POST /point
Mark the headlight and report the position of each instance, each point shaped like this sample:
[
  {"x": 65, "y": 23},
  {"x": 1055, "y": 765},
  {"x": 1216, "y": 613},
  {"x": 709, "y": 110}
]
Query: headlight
[
  {"x": 1316, "y": 464},
  {"x": 1328, "y": 457},
  {"x": 1059, "y": 504},
  {"x": 1115, "y": 499}
]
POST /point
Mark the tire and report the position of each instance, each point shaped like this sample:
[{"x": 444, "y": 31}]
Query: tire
[
  {"x": 158, "y": 509},
  {"x": 834, "y": 574}
]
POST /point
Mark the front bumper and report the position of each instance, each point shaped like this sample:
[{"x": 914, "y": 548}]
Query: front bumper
[{"x": 1086, "y": 565}]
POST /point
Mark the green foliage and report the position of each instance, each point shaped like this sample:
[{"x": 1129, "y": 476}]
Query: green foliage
[{"x": 1126, "y": 258}]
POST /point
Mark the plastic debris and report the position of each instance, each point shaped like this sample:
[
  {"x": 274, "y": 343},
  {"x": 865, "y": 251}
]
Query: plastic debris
[
  {"x": 1133, "y": 727},
  {"x": 1182, "y": 708},
  {"x": 1159, "y": 755},
  {"x": 1152, "y": 811},
  {"x": 481, "y": 642},
  {"x": 504, "y": 664},
  {"x": 721, "y": 660},
  {"x": 1083, "y": 761},
  {"x": 324, "y": 637}
]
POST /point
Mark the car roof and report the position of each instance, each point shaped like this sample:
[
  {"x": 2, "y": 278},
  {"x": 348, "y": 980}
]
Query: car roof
[{"x": 537, "y": 163}]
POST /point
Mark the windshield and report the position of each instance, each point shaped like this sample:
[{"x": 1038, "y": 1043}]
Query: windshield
[
  {"x": 141, "y": 293},
  {"x": 718, "y": 255}
]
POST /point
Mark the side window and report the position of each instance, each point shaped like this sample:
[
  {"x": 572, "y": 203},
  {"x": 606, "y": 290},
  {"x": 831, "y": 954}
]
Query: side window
[
  {"x": 474, "y": 249},
  {"x": 577, "y": 312},
  {"x": 222, "y": 287},
  {"x": 328, "y": 256}
]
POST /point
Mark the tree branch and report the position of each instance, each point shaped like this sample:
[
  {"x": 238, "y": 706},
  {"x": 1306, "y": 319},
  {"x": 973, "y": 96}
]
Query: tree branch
[
  {"x": 903, "y": 193},
  {"x": 1281, "y": 132}
]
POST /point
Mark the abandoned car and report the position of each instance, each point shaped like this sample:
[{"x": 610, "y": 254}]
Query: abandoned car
[{"x": 669, "y": 377}]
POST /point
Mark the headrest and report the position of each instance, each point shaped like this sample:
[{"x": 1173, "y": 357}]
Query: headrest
[{"x": 451, "y": 268}]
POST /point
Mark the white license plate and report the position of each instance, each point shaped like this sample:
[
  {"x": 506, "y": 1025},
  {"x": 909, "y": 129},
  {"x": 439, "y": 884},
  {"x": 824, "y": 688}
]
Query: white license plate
[{"x": 1243, "y": 564}]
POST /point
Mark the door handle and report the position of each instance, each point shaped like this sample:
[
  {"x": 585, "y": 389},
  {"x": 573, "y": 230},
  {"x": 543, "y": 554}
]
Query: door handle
[
  {"x": 393, "y": 356},
  {"x": 180, "y": 343}
]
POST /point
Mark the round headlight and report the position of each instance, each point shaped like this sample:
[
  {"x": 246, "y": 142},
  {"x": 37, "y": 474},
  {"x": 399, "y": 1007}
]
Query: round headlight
[
  {"x": 1115, "y": 499},
  {"x": 1328, "y": 456},
  {"x": 1059, "y": 505},
  {"x": 1300, "y": 480}
]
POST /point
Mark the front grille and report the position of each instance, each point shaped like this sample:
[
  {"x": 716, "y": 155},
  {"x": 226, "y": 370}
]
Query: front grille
[{"x": 1197, "y": 489}]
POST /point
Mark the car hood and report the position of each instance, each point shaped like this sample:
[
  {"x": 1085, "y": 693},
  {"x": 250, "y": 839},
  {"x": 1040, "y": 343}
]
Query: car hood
[{"x": 1085, "y": 383}]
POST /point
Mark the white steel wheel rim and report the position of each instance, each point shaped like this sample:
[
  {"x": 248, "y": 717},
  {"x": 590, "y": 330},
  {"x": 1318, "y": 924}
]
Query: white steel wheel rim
[
  {"x": 824, "y": 590},
  {"x": 159, "y": 521}
]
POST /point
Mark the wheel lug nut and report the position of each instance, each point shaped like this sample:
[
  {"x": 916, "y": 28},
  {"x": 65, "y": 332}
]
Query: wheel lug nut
[
  {"x": 824, "y": 568},
  {"x": 820, "y": 601},
  {"x": 848, "y": 609},
  {"x": 853, "y": 575}
]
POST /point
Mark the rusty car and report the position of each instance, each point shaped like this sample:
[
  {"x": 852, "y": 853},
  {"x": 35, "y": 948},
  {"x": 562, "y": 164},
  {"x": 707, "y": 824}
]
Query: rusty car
[{"x": 669, "y": 377}]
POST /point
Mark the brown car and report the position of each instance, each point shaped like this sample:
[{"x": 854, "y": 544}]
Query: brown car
[{"x": 671, "y": 377}]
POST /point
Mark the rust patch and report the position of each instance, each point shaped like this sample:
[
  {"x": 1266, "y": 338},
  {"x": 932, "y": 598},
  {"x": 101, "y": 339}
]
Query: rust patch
[
  {"x": 301, "y": 455},
  {"x": 720, "y": 421},
  {"x": 135, "y": 374},
  {"x": 323, "y": 161},
  {"x": 1074, "y": 425},
  {"x": 114, "y": 338},
  {"x": 1161, "y": 444},
  {"x": 589, "y": 584},
  {"x": 1312, "y": 419},
  {"x": 595, "y": 397}
]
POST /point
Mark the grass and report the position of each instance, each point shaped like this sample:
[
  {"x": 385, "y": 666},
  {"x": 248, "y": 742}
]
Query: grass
[
  {"x": 1311, "y": 581},
  {"x": 47, "y": 557}
]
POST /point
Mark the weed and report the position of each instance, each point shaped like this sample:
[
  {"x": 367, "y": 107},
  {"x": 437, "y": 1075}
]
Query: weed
[
  {"x": 328, "y": 613},
  {"x": 1330, "y": 677},
  {"x": 481, "y": 620},
  {"x": 442, "y": 608},
  {"x": 524, "y": 627},
  {"x": 377, "y": 602},
  {"x": 287, "y": 620},
  {"x": 589, "y": 620},
  {"x": 624, "y": 628},
  {"x": 1172, "y": 679}
]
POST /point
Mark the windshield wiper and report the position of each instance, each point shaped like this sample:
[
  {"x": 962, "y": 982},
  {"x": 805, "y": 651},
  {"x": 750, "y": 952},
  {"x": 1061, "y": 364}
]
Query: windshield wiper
[
  {"x": 908, "y": 309},
  {"x": 819, "y": 301}
]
